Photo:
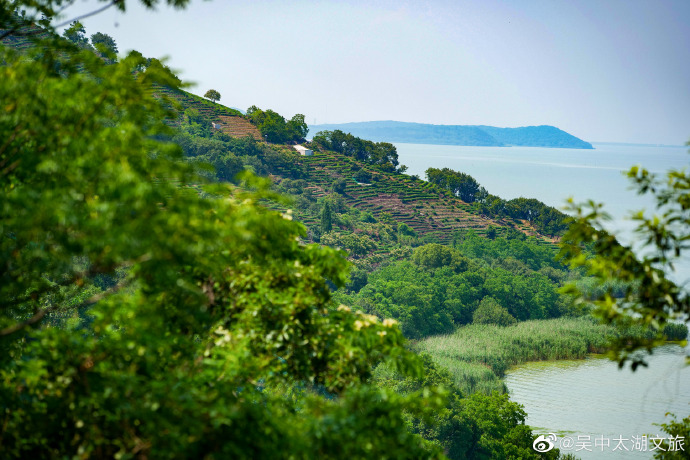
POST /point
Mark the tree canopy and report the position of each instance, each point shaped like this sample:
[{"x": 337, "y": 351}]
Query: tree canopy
[
  {"x": 460, "y": 184},
  {"x": 142, "y": 316},
  {"x": 275, "y": 128},
  {"x": 105, "y": 44},
  {"x": 440, "y": 288},
  {"x": 213, "y": 95},
  {"x": 382, "y": 154},
  {"x": 77, "y": 34}
]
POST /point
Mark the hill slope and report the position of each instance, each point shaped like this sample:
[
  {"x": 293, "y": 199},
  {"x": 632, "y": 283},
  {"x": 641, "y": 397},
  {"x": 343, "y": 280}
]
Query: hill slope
[
  {"x": 432, "y": 213},
  {"x": 420, "y": 133}
]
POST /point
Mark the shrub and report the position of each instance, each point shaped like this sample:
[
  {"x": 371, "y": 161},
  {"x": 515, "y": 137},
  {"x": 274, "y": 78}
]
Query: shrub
[
  {"x": 491, "y": 312},
  {"x": 676, "y": 331},
  {"x": 362, "y": 176},
  {"x": 339, "y": 186}
]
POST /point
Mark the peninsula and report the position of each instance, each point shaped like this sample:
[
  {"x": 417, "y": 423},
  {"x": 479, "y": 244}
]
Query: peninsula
[{"x": 486, "y": 136}]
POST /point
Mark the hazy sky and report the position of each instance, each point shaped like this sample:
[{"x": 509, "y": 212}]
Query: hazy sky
[{"x": 602, "y": 70}]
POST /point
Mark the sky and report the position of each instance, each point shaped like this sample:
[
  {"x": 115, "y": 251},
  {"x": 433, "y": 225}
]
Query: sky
[{"x": 602, "y": 70}]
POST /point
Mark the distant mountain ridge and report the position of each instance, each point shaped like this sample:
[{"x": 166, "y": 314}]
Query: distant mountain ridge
[{"x": 486, "y": 136}]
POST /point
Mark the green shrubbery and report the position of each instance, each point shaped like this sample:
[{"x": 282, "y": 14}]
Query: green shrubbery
[
  {"x": 491, "y": 312},
  {"x": 469, "y": 426},
  {"x": 275, "y": 128},
  {"x": 141, "y": 316},
  {"x": 439, "y": 288}
]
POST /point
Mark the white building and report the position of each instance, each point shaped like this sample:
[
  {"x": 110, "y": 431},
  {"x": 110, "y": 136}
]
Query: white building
[{"x": 304, "y": 151}]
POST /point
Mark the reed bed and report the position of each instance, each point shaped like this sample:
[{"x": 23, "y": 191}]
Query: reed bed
[{"x": 478, "y": 355}]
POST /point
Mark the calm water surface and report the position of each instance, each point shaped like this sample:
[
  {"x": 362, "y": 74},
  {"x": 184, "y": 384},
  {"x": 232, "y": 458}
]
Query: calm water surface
[
  {"x": 589, "y": 397},
  {"x": 595, "y": 399}
]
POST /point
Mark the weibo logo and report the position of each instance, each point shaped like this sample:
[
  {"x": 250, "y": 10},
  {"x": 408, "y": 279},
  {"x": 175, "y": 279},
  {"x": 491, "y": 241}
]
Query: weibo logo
[{"x": 544, "y": 443}]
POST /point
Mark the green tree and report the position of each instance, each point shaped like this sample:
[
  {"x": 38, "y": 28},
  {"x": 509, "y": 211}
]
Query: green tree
[
  {"x": 140, "y": 317},
  {"x": 275, "y": 128},
  {"x": 362, "y": 176},
  {"x": 490, "y": 311},
  {"x": 435, "y": 255},
  {"x": 357, "y": 245},
  {"x": 105, "y": 44},
  {"x": 358, "y": 279},
  {"x": 339, "y": 186},
  {"x": 460, "y": 184},
  {"x": 76, "y": 34},
  {"x": 406, "y": 230},
  {"x": 297, "y": 128},
  {"x": 326, "y": 219},
  {"x": 213, "y": 95}
]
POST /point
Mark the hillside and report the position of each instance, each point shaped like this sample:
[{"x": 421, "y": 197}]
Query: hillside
[
  {"x": 212, "y": 111},
  {"x": 485, "y": 136},
  {"x": 429, "y": 211},
  {"x": 433, "y": 214}
]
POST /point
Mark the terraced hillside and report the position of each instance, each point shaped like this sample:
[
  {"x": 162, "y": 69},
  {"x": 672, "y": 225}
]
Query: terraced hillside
[
  {"x": 232, "y": 122},
  {"x": 23, "y": 40},
  {"x": 431, "y": 212},
  {"x": 207, "y": 109},
  {"x": 239, "y": 127}
]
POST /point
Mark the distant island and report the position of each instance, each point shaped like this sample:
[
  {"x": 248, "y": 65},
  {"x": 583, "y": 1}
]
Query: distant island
[{"x": 486, "y": 136}]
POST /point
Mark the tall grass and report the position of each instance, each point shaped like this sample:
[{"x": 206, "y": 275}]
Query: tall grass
[{"x": 478, "y": 355}]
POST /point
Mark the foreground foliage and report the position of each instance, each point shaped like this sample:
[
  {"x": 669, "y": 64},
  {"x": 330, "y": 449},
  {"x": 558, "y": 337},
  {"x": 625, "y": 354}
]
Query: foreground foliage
[
  {"x": 141, "y": 317},
  {"x": 648, "y": 298}
]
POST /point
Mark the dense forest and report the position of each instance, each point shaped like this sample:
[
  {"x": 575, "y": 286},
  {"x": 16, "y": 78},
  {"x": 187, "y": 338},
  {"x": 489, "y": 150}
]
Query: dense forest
[{"x": 171, "y": 290}]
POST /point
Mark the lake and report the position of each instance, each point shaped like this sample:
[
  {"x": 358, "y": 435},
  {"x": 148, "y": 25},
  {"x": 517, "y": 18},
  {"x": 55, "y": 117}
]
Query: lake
[
  {"x": 589, "y": 398},
  {"x": 593, "y": 399}
]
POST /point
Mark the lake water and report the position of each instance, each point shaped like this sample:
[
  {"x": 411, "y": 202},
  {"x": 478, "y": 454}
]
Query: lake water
[
  {"x": 594, "y": 400},
  {"x": 589, "y": 398}
]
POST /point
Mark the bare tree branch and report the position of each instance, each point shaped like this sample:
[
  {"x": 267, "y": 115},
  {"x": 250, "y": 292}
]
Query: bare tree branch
[{"x": 92, "y": 13}]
